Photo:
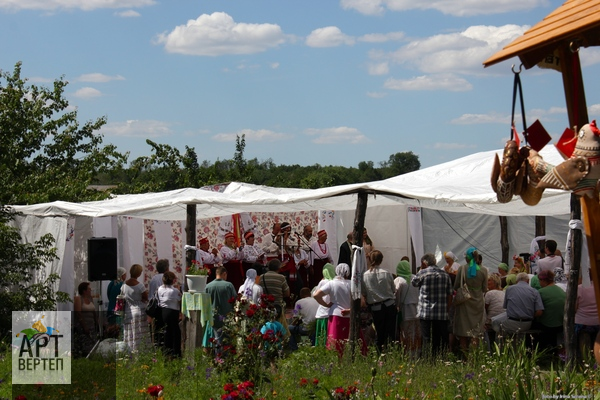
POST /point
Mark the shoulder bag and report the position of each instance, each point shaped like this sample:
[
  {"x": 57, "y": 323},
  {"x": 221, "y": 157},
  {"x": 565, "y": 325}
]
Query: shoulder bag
[
  {"x": 462, "y": 293},
  {"x": 153, "y": 308}
]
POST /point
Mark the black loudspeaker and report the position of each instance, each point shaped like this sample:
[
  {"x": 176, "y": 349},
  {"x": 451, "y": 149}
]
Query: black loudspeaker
[{"x": 102, "y": 259}]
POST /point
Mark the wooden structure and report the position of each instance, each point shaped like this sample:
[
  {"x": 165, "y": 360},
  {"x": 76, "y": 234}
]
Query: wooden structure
[{"x": 554, "y": 42}]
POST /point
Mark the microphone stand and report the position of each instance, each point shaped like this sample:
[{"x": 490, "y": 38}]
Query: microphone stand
[{"x": 310, "y": 249}]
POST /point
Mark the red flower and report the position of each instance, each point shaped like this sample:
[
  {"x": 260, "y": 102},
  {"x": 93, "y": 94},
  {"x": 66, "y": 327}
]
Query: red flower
[
  {"x": 20, "y": 397},
  {"x": 229, "y": 387},
  {"x": 246, "y": 385},
  {"x": 250, "y": 313},
  {"x": 315, "y": 381},
  {"x": 303, "y": 382},
  {"x": 155, "y": 390}
]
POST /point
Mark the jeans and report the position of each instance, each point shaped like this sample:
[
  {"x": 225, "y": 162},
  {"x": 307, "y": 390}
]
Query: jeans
[{"x": 299, "y": 330}]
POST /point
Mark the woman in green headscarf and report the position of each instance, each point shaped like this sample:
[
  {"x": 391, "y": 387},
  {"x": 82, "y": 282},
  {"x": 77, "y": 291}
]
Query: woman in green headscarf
[
  {"x": 322, "y": 315},
  {"x": 407, "y": 297},
  {"x": 469, "y": 317}
]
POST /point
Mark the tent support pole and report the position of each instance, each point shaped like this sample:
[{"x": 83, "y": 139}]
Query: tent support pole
[
  {"x": 569, "y": 314},
  {"x": 578, "y": 116},
  {"x": 359, "y": 226},
  {"x": 190, "y": 233}
]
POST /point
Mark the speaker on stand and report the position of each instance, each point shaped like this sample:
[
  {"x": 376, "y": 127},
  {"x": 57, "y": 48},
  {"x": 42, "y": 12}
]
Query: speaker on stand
[{"x": 102, "y": 266}]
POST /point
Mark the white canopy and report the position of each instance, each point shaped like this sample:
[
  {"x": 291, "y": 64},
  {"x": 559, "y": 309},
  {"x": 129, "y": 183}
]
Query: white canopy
[{"x": 462, "y": 185}]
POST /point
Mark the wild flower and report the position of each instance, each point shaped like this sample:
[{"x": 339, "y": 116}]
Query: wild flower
[{"x": 245, "y": 351}]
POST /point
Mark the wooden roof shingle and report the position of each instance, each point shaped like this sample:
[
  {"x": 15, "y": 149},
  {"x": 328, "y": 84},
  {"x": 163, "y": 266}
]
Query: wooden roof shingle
[{"x": 575, "y": 21}]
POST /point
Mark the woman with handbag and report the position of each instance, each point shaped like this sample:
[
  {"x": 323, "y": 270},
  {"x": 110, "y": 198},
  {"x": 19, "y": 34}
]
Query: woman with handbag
[{"x": 469, "y": 315}]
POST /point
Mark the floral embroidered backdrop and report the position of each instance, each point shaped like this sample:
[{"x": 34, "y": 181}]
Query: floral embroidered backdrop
[{"x": 213, "y": 229}]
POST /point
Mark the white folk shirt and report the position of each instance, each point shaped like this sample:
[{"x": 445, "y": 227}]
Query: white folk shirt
[
  {"x": 229, "y": 254},
  {"x": 251, "y": 253},
  {"x": 269, "y": 247},
  {"x": 310, "y": 242},
  {"x": 299, "y": 256},
  {"x": 320, "y": 252},
  {"x": 208, "y": 258}
]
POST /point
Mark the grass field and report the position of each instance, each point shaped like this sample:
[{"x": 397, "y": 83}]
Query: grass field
[{"x": 511, "y": 373}]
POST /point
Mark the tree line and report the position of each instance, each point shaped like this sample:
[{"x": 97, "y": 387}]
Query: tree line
[{"x": 47, "y": 155}]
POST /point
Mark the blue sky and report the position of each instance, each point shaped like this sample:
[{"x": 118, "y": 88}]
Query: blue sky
[{"x": 328, "y": 82}]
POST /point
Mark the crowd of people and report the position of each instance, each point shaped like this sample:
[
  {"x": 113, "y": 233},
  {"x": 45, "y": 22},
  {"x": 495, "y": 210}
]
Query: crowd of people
[{"x": 417, "y": 310}]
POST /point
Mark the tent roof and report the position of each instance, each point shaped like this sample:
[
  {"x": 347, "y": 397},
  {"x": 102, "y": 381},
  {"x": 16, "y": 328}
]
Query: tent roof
[
  {"x": 460, "y": 185},
  {"x": 575, "y": 20}
]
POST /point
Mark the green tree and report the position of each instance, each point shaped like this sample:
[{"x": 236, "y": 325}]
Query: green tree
[
  {"x": 400, "y": 163},
  {"x": 20, "y": 265},
  {"x": 45, "y": 155}
]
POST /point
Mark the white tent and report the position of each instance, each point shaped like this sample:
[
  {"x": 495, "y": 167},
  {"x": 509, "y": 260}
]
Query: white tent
[{"x": 448, "y": 193}]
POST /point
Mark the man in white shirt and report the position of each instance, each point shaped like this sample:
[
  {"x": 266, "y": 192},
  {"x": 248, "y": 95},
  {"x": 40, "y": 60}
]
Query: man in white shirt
[
  {"x": 305, "y": 310},
  {"x": 306, "y": 241},
  {"x": 551, "y": 261},
  {"x": 208, "y": 258},
  {"x": 272, "y": 242}
]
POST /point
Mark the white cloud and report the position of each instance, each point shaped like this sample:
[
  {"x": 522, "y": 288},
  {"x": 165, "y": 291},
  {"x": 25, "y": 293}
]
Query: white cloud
[
  {"x": 589, "y": 56},
  {"x": 447, "y": 82},
  {"x": 594, "y": 109},
  {"x": 381, "y": 37},
  {"x": 474, "y": 119},
  {"x": 87, "y": 93},
  {"x": 218, "y": 34},
  {"x": 86, "y": 5},
  {"x": 342, "y": 134},
  {"x": 376, "y": 95},
  {"x": 138, "y": 128},
  {"x": 98, "y": 77},
  {"x": 260, "y": 135},
  {"x": 128, "y": 14},
  {"x": 459, "y": 8},
  {"x": 367, "y": 7},
  {"x": 453, "y": 146},
  {"x": 496, "y": 118},
  {"x": 458, "y": 52},
  {"x": 330, "y": 36},
  {"x": 274, "y": 65},
  {"x": 379, "y": 68}
]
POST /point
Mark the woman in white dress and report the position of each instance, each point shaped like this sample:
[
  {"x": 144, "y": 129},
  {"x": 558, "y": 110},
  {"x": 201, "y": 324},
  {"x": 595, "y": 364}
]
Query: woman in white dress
[{"x": 136, "y": 334}]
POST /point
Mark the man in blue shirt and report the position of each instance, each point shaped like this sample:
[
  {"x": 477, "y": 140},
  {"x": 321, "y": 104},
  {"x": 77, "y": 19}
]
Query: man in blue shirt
[{"x": 522, "y": 303}]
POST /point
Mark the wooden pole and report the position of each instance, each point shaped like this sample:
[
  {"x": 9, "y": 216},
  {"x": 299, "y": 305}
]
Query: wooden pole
[
  {"x": 190, "y": 233},
  {"x": 359, "y": 226},
  {"x": 578, "y": 116},
  {"x": 573, "y": 282},
  {"x": 193, "y": 331}
]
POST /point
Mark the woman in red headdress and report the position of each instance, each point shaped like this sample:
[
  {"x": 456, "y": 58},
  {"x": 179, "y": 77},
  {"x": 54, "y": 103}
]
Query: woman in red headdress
[
  {"x": 320, "y": 256},
  {"x": 232, "y": 261}
]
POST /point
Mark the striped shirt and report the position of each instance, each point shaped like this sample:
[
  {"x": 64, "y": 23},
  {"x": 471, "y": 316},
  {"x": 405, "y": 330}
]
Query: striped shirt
[{"x": 275, "y": 284}]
